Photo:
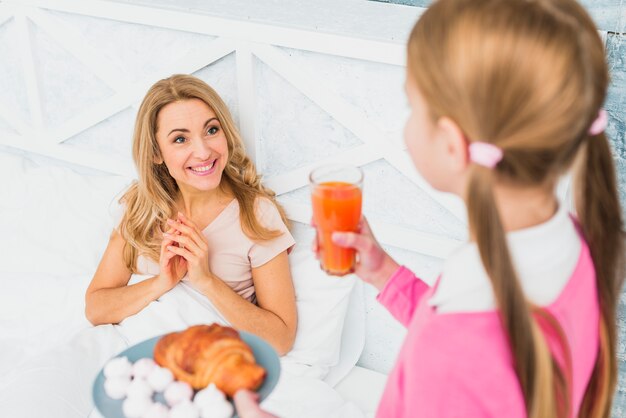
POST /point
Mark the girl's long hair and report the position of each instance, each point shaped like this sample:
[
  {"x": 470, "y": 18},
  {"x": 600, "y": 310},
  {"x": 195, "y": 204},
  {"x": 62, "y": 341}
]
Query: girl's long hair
[
  {"x": 530, "y": 76},
  {"x": 150, "y": 201}
]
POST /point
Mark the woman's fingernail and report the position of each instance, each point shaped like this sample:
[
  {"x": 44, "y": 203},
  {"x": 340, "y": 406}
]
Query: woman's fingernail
[
  {"x": 182, "y": 215},
  {"x": 165, "y": 234},
  {"x": 170, "y": 221}
]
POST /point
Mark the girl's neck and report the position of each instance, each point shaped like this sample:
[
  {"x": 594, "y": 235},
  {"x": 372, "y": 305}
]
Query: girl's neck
[{"x": 524, "y": 207}]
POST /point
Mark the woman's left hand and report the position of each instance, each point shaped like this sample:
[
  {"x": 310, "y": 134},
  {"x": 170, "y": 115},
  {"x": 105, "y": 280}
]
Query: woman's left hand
[{"x": 193, "y": 247}]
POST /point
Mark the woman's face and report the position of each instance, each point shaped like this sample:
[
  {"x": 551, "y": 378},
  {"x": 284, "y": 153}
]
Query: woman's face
[{"x": 192, "y": 144}]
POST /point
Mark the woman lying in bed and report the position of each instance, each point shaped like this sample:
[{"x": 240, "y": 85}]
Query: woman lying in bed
[{"x": 198, "y": 214}]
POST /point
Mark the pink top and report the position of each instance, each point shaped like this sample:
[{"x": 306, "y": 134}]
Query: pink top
[{"x": 460, "y": 365}]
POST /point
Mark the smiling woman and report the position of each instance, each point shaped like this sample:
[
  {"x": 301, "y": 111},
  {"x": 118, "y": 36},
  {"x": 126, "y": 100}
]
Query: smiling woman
[{"x": 197, "y": 217}]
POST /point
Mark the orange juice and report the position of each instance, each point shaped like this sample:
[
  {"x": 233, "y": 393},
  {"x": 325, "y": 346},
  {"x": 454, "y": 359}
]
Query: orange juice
[{"x": 336, "y": 207}]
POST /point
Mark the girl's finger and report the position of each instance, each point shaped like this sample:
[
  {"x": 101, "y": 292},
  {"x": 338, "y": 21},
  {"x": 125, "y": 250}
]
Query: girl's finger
[
  {"x": 365, "y": 227},
  {"x": 315, "y": 249},
  {"x": 361, "y": 243},
  {"x": 246, "y": 402},
  {"x": 315, "y": 246}
]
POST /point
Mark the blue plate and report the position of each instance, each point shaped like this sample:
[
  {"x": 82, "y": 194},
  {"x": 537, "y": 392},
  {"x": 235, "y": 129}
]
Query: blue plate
[{"x": 264, "y": 354}]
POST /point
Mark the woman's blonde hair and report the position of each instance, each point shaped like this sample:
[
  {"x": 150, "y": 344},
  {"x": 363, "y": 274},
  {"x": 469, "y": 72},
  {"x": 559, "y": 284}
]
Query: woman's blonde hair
[
  {"x": 150, "y": 201},
  {"x": 530, "y": 76}
]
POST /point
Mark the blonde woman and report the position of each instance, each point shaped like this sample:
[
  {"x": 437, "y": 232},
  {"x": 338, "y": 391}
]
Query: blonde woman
[{"x": 198, "y": 213}]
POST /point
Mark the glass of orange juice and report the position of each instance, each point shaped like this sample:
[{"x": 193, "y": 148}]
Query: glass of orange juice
[{"x": 336, "y": 195}]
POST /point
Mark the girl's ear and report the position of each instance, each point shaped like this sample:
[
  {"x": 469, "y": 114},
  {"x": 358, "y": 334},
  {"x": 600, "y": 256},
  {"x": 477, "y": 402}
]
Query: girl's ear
[
  {"x": 157, "y": 160},
  {"x": 455, "y": 144}
]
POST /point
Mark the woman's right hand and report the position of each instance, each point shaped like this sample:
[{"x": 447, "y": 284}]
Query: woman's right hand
[
  {"x": 172, "y": 266},
  {"x": 373, "y": 264}
]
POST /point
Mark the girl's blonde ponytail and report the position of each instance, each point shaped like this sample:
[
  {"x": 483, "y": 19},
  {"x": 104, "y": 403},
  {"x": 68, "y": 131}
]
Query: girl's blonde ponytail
[{"x": 541, "y": 379}]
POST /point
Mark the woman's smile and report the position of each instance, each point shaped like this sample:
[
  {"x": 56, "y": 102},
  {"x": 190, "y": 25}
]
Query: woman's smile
[{"x": 203, "y": 169}]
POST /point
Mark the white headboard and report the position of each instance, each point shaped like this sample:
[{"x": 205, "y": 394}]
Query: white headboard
[{"x": 73, "y": 73}]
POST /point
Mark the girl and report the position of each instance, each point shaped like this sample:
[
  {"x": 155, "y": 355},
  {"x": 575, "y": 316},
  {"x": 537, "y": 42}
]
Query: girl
[
  {"x": 505, "y": 97},
  {"x": 199, "y": 216}
]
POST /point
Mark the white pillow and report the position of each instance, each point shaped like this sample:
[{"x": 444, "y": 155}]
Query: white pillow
[
  {"x": 56, "y": 218},
  {"x": 323, "y": 302},
  {"x": 352, "y": 336}
]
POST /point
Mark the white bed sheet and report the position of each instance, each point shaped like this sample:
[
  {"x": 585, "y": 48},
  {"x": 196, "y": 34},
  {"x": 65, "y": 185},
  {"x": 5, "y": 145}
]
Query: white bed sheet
[
  {"x": 29, "y": 340},
  {"x": 364, "y": 388},
  {"x": 42, "y": 346}
]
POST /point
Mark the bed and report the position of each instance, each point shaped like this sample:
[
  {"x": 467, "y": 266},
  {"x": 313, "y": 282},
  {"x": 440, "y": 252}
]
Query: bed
[{"x": 59, "y": 218}]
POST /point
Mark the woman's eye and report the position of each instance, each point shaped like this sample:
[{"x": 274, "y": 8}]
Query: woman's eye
[
  {"x": 179, "y": 140},
  {"x": 213, "y": 130}
]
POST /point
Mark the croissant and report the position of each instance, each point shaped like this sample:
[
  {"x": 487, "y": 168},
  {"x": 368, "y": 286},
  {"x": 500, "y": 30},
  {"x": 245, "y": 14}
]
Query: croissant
[{"x": 204, "y": 354}]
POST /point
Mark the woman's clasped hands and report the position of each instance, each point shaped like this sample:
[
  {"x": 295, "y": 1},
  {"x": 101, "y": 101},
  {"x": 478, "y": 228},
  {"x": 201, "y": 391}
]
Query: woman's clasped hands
[{"x": 185, "y": 251}]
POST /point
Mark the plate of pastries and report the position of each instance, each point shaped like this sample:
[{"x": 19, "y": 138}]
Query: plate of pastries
[{"x": 193, "y": 373}]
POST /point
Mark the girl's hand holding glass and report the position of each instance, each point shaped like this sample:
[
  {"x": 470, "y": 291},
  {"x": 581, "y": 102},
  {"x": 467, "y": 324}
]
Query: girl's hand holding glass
[
  {"x": 172, "y": 267},
  {"x": 373, "y": 265},
  {"x": 193, "y": 247}
]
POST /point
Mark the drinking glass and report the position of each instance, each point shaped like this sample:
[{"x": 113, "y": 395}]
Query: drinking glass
[{"x": 336, "y": 196}]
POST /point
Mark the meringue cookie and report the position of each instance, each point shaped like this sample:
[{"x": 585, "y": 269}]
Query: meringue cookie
[
  {"x": 143, "y": 367},
  {"x": 156, "y": 410},
  {"x": 184, "y": 409},
  {"x": 213, "y": 403},
  {"x": 135, "y": 407},
  {"x": 177, "y": 392},
  {"x": 159, "y": 378},
  {"x": 116, "y": 387},
  {"x": 118, "y": 367},
  {"x": 139, "y": 388}
]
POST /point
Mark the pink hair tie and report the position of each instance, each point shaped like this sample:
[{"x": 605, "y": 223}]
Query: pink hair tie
[
  {"x": 485, "y": 154},
  {"x": 599, "y": 125}
]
